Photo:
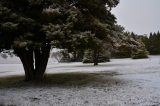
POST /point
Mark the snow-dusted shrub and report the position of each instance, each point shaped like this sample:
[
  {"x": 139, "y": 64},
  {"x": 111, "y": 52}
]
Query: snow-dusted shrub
[
  {"x": 140, "y": 54},
  {"x": 88, "y": 57}
]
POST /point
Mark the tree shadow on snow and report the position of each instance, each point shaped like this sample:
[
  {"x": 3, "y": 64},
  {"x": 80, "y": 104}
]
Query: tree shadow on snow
[
  {"x": 98, "y": 79},
  {"x": 89, "y": 65}
]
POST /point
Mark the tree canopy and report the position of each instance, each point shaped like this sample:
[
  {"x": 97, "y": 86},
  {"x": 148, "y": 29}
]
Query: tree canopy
[{"x": 152, "y": 42}]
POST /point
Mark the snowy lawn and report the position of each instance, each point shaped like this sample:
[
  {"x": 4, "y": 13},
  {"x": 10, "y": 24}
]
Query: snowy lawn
[{"x": 121, "y": 82}]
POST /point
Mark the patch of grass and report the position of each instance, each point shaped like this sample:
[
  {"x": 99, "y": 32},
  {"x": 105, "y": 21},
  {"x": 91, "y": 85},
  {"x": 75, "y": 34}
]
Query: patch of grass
[
  {"x": 61, "y": 79},
  {"x": 11, "y": 81},
  {"x": 69, "y": 79}
]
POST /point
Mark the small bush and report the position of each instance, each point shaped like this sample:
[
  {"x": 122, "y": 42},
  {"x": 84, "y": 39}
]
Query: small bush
[{"x": 140, "y": 54}]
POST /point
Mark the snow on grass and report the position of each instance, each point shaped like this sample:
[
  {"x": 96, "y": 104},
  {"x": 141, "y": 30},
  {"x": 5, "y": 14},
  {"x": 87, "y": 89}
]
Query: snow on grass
[{"x": 121, "y": 82}]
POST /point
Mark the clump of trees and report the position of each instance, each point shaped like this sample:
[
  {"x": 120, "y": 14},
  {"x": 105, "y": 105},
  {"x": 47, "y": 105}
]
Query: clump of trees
[
  {"x": 122, "y": 44},
  {"x": 32, "y": 27},
  {"x": 127, "y": 45},
  {"x": 152, "y": 43}
]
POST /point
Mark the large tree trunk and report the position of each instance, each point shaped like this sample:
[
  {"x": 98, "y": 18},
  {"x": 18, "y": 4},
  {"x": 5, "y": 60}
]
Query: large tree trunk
[
  {"x": 34, "y": 62},
  {"x": 41, "y": 60},
  {"x": 26, "y": 57}
]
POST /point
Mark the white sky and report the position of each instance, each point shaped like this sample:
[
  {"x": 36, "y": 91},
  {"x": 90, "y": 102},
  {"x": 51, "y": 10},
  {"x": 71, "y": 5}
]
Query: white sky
[{"x": 139, "y": 16}]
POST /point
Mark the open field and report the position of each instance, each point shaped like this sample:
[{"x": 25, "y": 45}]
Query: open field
[{"x": 121, "y": 82}]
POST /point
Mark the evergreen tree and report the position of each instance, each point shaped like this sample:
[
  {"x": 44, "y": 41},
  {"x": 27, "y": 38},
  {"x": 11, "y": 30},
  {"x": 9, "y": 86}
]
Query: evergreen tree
[
  {"x": 153, "y": 45},
  {"x": 31, "y": 27},
  {"x": 146, "y": 42},
  {"x": 128, "y": 44}
]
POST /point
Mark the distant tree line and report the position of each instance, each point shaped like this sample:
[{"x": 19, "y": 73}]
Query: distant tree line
[{"x": 152, "y": 43}]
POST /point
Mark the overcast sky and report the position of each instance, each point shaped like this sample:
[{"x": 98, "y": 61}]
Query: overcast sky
[{"x": 139, "y": 16}]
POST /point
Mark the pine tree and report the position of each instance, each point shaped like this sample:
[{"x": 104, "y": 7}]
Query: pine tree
[
  {"x": 128, "y": 44},
  {"x": 31, "y": 27},
  {"x": 154, "y": 42}
]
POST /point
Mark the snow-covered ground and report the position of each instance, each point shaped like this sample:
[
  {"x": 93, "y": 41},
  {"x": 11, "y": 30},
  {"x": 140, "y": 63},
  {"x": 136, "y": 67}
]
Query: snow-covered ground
[{"x": 121, "y": 82}]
